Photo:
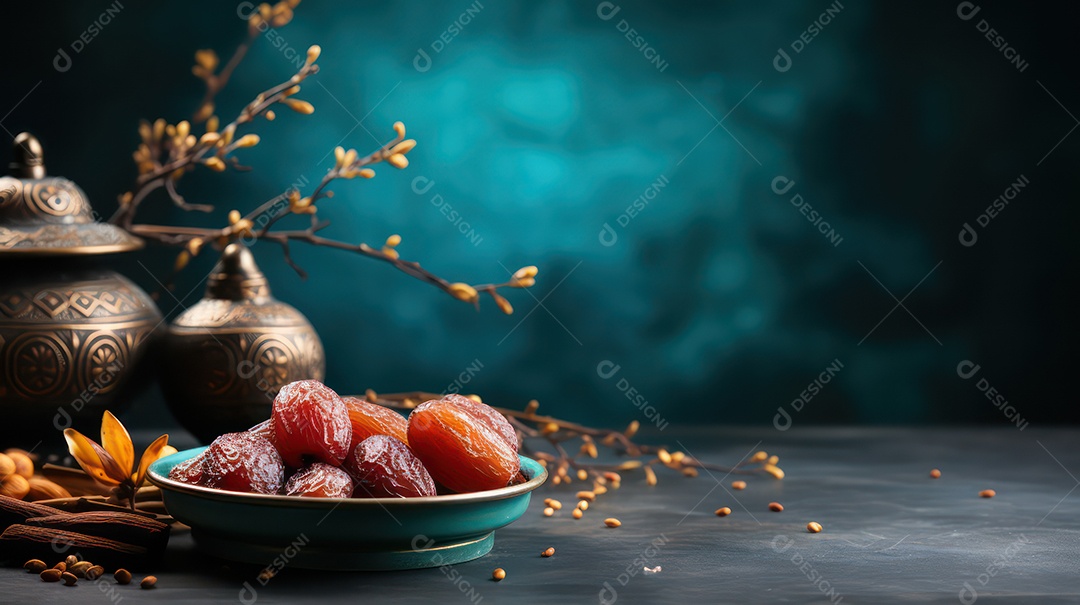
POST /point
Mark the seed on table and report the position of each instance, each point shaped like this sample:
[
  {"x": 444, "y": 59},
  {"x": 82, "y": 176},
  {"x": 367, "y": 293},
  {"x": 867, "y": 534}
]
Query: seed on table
[
  {"x": 122, "y": 576},
  {"x": 723, "y": 511},
  {"x": 612, "y": 476},
  {"x": 738, "y": 485},
  {"x": 69, "y": 578},
  {"x": 583, "y": 505},
  {"x": 547, "y": 553},
  {"x": 95, "y": 572},
  {"x": 987, "y": 493},
  {"x": 935, "y": 473},
  {"x": 612, "y": 522},
  {"x": 51, "y": 575},
  {"x": 71, "y": 560},
  {"x": 813, "y": 527},
  {"x": 553, "y": 503},
  {"x": 549, "y": 511},
  {"x": 582, "y": 474},
  {"x": 35, "y": 566},
  {"x": 148, "y": 582},
  {"x": 586, "y": 495},
  {"x": 61, "y": 566},
  {"x": 498, "y": 574},
  {"x": 776, "y": 507},
  {"x": 79, "y": 569},
  {"x": 577, "y": 514}
]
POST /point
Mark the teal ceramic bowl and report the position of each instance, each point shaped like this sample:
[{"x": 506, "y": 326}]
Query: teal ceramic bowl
[{"x": 343, "y": 533}]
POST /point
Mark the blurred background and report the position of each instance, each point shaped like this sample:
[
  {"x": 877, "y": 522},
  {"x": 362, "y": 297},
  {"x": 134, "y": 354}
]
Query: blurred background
[{"x": 728, "y": 202}]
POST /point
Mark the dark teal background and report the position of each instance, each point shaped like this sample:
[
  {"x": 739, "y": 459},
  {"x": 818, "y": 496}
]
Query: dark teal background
[{"x": 541, "y": 122}]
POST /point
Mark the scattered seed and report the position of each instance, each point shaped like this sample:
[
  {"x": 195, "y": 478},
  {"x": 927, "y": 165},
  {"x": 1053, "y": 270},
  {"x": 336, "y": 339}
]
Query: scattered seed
[
  {"x": 723, "y": 511},
  {"x": 69, "y": 578},
  {"x": 71, "y": 560},
  {"x": 813, "y": 527},
  {"x": 95, "y": 572},
  {"x": 612, "y": 522},
  {"x": 577, "y": 514},
  {"x": 776, "y": 507},
  {"x": 51, "y": 575},
  {"x": 738, "y": 485},
  {"x": 61, "y": 566},
  {"x": 599, "y": 489},
  {"x": 934, "y": 474},
  {"x": 987, "y": 493},
  {"x": 690, "y": 472},
  {"x": 498, "y": 574},
  {"x": 650, "y": 476},
  {"x": 612, "y": 476},
  {"x": 677, "y": 456},
  {"x": 547, "y": 553},
  {"x": 664, "y": 456},
  {"x": 583, "y": 505},
  {"x": 122, "y": 576},
  {"x": 583, "y": 474},
  {"x": 586, "y": 495},
  {"x": 549, "y": 511},
  {"x": 148, "y": 582},
  {"x": 35, "y": 566},
  {"x": 553, "y": 503},
  {"x": 79, "y": 569}
]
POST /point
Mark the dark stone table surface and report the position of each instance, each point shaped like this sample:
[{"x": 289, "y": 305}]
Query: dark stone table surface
[{"x": 892, "y": 534}]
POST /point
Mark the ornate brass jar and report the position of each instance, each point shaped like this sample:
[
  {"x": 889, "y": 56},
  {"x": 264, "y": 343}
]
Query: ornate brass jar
[
  {"x": 73, "y": 334},
  {"x": 226, "y": 357}
]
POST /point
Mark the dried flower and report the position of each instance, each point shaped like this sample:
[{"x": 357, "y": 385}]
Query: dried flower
[{"x": 112, "y": 463}]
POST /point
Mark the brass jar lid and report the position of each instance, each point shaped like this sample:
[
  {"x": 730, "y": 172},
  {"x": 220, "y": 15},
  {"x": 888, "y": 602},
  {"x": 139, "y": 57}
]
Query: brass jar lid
[{"x": 50, "y": 216}]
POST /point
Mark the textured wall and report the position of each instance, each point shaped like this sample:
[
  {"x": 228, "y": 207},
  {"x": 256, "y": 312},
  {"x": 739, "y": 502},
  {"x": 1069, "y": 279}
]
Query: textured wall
[{"x": 720, "y": 227}]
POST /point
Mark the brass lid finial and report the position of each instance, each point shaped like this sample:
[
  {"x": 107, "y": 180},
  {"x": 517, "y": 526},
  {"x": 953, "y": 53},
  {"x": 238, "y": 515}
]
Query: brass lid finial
[
  {"x": 236, "y": 276},
  {"x": 28, "y": 159}
]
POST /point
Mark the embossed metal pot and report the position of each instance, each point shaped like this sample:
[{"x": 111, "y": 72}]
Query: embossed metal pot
[
  {"x": 226, "y": 357},
  {"x": 73, "y": 334}
]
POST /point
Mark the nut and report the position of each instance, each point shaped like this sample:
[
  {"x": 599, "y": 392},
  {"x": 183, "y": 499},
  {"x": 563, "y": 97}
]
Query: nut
[
  {"x": 7, "y": 466},
  {"x": 813, "y": 527},
  {"x": 35, "y": 566},
  {"x": 50, "y": 575},
  {"x": 70, "y": 560},
  {"x": 776, "y": 507},
  {"x": 689, "y": 471},
  {"x": 498, "y": 574},
  {"x": 95, "y": 572},
  {"x": 548, "y": 552},
  {"x": 43, "y": 489},
  {"x": 122, "y": 576},
  {"x": 583, "y": 505},
  {"x": 549, "y": 511},
  {"x": 14, "y": 485},
  {"x": 79, "y": 569},
  {"x": 738, "y": 485},
  {"x": 61, "y": 566},
  {"x": 553, "y": 503},
  {"x": 612, "y": 522},
  {"x": 69, "y": 578},
  {"x": 723, "y": 511},
  {"x": 987, "y": 493},
  {"x": 935, "y": 473},
  {"x": 148, "y": 582},
  {"x": 577, "y": 514},
  {"x": 586, "y": 495},
  {"x": 23, "y": 464}
]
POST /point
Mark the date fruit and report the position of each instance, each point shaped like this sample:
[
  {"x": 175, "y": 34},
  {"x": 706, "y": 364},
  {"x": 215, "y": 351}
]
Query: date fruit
[
  {"x": 488, "y": 415},
  {"x": 458, "y": 446},
  {"x": 370, "y": 419},
  {"x": 386, "y": 468},
  {"x": 243, "y": 462},
  {"x": 320, "y": 480},
  {"x": 265, "y": 429},
  {"x": 310, "y": 420},
  {"x": 189, "y": 471}
]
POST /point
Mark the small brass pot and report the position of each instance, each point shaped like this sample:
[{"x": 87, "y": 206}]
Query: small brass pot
[{"x": 226, "y": 357}]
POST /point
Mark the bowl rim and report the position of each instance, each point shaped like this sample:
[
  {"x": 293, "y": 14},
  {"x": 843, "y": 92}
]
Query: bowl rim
[{"x": 210, "y": 493}]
